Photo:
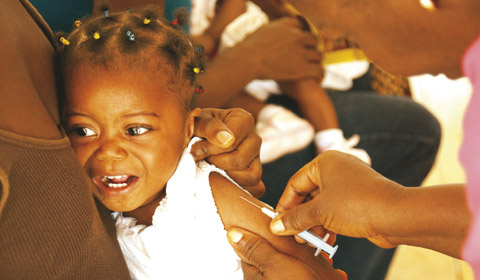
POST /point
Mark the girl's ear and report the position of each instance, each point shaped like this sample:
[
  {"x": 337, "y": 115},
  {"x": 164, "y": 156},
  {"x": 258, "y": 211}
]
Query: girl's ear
[{"x": 191, "y": 123}]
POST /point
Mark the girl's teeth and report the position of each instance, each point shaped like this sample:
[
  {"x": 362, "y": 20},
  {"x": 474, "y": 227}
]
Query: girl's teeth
[
  {"x": 113, "y": 185},
  {"x": 110, "y": 181}
]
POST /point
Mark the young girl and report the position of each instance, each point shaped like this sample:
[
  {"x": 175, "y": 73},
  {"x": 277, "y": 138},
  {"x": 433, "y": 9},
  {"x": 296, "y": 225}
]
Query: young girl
[{"x": 129, "y": 96}]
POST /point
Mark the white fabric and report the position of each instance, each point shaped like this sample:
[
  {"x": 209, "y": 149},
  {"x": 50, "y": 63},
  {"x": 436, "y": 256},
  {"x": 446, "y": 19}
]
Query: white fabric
[
  {"x": 262, "y": 89},
  {"x": 187, "y": 239},
  {"x": 282, "y": 132},
  {"x": 338, "y": 76},
  {"x": 202, "y": 13},
  {"x": 245, "y": 24},
  {"x": 333, "y": 139}
]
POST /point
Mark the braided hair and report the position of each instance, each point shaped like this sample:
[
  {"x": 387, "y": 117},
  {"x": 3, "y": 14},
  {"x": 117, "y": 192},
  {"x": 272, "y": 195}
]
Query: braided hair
[{"x": 142, "y": 40}]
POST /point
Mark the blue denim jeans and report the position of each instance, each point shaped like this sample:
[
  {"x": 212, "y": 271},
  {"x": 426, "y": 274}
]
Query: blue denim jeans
[{"x": 401, "y": 137}]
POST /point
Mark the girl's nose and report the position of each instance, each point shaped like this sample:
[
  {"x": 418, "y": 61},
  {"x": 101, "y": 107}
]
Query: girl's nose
[{"x": 111, "y": 150}]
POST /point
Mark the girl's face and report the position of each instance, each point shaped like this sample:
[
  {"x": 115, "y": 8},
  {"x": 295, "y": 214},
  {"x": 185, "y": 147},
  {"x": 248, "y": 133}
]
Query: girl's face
[{"x": 129, "y": 131}]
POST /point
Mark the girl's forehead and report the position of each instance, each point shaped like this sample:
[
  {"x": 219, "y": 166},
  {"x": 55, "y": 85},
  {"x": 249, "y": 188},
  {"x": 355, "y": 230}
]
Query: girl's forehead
[{"x": 98, "y": 83}]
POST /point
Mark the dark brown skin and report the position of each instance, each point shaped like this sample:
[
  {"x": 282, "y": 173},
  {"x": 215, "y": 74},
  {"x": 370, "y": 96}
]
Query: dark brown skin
[
  {"x": 238, "y": 154},
  {"x": 401, "y": 36},
  {"x": 373, "y": 207},
  {"x": 235, "y": 212}
]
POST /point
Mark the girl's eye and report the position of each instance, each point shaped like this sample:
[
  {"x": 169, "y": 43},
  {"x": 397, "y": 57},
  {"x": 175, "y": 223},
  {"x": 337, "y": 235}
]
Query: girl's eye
[
  {"x": 84, "y": 131},
  {"x": 135, "y": 131}
]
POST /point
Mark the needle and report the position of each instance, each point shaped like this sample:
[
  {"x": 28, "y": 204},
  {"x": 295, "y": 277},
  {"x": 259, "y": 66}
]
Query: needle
[
  {"x": 319, "y": 243},
  {"x": 265, "y": 210}
]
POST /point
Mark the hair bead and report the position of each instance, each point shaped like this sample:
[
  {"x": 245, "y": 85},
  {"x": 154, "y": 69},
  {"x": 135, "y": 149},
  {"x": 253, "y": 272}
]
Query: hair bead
[
  {"x": 96, "y": 35},
  {"x": 199, "y": 90},
  {"x": 64, "y": 41},
  {"x": 78, "y": 23},
  {"x": 130, "y": 35},
  {"x": 198, "y": 49},
  {"x": 146, "y": 21},
  {"x": 196, "y": 70},
  {"x": 175, "y": 22},
  {"x": 429, "y": 5}
]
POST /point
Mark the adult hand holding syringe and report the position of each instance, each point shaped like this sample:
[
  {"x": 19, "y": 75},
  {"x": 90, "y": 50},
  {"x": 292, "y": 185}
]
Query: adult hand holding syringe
[
  {"x": 344, "y": 195},
  {"x": 314, "y": 240}
]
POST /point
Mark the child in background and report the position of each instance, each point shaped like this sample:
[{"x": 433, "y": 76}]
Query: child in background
[
  {"x": 130, "y": 91},
  {"x": 282, "y": 131}
]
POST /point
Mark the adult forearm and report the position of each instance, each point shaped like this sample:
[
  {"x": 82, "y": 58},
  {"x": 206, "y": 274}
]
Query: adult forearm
[
  {"x": 434, "y": 217},
  {"x": 226, "y": 76}
]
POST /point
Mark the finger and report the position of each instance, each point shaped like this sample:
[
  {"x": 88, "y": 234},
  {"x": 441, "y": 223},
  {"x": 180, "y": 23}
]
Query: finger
[
  {"x": 312, "y": 70},
  {"x": 251, "y": 248},
  {"x": 257, "y": 190},
  {"x": 251, "y": 272},
  {"x": 240, "y": 122},
  {"x": 298, "y": 239},
  {"x": 250, "y": 176},
  {"x": 212, "y": 128},
  {"x": 343, "y": 274},
  {"x": 303, "y": 182},
  {"x": 291, "y": 21},
  {"x": 300, "y": 218},
  {"x": 240, "y": 158},
  {"x": 326, "y": 257},
  {"x": 205, "y": 148},
  {"x": 313, "y": 57},
  {"x": 217, "y": 126},
  {"x": 319, "y": 231},
  {"x": 309, "y": 41}
]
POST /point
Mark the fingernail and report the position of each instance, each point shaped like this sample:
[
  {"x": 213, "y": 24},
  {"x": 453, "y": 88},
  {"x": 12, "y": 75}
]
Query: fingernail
[
  {"x": 225, "y": 138},
  {"x": 277, "y": 226},
  {"x": 235, "y": 236}
]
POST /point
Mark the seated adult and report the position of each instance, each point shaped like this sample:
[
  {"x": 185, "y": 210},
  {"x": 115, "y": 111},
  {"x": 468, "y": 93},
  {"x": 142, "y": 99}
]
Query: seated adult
[{"x": 406, "y": 38}]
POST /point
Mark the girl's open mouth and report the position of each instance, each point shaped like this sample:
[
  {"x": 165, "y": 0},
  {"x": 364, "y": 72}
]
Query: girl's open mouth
[
  {"x": 115, "y": 184},
  {"x": 118, "y": 181}
]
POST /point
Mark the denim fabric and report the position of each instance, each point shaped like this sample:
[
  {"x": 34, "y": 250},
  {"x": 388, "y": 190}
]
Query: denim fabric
[{"x": 402, "y": 139}]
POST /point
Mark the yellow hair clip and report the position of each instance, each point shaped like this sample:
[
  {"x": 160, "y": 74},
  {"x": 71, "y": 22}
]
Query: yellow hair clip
[
  {"x": 64, "y": 41},
  {"x": 96, "y": 35},
  {"x": 429, "y": 5},
  {"x": 78, "y": 23},
  {"x": 146, "y": 21},
  {"x": 196, "y": 70}
]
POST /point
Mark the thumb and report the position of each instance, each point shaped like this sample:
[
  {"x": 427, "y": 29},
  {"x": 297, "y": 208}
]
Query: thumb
[
  {"x": 251, "y": 248},
  {"x": 299, "y": 218},
  {"x": 216, "y": 132}
]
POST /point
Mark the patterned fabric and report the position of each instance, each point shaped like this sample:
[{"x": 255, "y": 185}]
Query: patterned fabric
[
  {"x": 385, "y": 83},
  {"x": 381, "y": 81}
]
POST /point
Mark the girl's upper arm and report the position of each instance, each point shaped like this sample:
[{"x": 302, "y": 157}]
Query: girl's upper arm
[{"x": 237, "y": 212}]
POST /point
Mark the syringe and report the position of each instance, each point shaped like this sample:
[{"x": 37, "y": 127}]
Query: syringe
[{"x": 316, "y": 241}]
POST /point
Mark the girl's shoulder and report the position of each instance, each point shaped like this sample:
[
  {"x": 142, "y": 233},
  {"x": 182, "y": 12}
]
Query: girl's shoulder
[{"x": 236, "y": 212}]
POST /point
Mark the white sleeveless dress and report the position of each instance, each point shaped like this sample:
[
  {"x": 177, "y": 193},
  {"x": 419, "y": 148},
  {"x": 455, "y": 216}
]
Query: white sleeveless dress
[{"x": 187, "y": 239}]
